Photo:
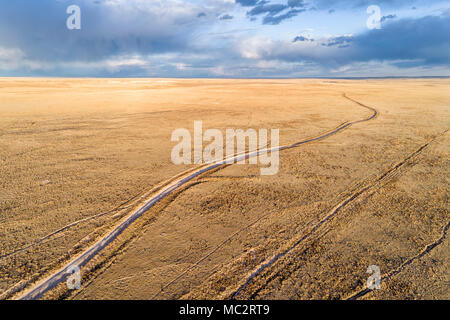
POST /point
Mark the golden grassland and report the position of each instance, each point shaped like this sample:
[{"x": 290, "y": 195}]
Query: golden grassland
[{"x": 72, "y": 149}]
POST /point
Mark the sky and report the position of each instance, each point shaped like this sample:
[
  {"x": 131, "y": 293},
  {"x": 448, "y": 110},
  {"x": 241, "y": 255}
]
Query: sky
[{"x": 225, "y": 38}]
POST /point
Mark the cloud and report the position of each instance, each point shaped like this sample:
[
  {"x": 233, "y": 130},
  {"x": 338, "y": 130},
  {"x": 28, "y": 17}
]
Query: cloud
[
  {"x": 403, "y": 43},
  {"x": 109, "y": 28},
  {"x": 270, "y": 9},
  {"x": 426, "y": 39},
  {"x": 226, "y": 17},
  {"x": 274, "y": 20},
  {"x": 327, "y": 4},
  {"x": 390, "y": 16},
  {"x": 301, "y": 39},
  {"x": 247, "y": 3},
  {"x": 296, "y": 3},
  {"x": 8, "y": 54},
  {"x": 278, "y": 19},
  {"x": 167, "y": 38},
  {"x": 340, "y": 41},
  {"x": 275, "y": 13}
]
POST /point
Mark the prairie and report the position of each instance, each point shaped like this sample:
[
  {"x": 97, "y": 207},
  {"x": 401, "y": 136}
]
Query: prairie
[{"x": 78, "y": 155}]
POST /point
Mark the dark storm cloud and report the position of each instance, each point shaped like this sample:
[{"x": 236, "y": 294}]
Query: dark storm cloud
[
  {"x": 426, "y": 39},
  {"x": 403, "y": 43},
  {"x": 275, "y": 13},
  {"x": 38, "y": 28},
  {"x": 161, "y": 38}
]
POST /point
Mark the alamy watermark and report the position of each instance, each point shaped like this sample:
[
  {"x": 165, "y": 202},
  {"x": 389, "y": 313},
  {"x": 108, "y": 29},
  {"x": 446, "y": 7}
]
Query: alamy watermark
[
  {"x": 73, "y": 22},
  {"x": 73, "y": 281},
  {"x": 229, "y": 148},
  {"x": 374, "y": 21},
  {"x": 374, "y": 281}
]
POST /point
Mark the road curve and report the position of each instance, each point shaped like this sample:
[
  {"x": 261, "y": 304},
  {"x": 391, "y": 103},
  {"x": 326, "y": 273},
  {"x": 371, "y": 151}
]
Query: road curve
[{"x": 50, "y": 282}]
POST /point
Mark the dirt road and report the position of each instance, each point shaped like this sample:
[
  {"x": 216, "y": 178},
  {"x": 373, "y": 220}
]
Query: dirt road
[{"x": 39, "y": 289}]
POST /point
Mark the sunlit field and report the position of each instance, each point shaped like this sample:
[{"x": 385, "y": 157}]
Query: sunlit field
[{"x": 78, "y": 156}]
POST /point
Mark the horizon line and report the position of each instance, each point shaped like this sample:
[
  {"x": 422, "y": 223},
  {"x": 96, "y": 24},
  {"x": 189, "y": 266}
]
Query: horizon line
[{"x": 230, "y": 78}]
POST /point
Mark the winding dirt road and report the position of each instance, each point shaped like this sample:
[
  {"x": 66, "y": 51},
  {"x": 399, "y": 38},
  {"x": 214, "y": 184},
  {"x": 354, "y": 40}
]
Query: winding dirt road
[{"x": 40, "y": 288}]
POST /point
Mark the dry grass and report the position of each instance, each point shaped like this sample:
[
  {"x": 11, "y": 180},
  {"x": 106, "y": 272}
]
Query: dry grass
[{"x": 71, "y": 149}]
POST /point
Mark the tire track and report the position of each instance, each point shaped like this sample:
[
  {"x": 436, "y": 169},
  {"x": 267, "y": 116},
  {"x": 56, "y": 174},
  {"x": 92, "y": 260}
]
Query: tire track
[
  {"x": 39, "y": 289},
  {"x": 383, "y": 177},
  {"x": 223, "y": 243},
  {"x": 400, "y": 268},
  {"x": 123, "y": 206},
  {"x": 342, "y": 126},
  {"x": 46, "y": 238}
]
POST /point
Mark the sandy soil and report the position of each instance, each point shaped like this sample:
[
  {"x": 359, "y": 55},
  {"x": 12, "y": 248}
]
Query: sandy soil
[{"x": 73, "y": 149}]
